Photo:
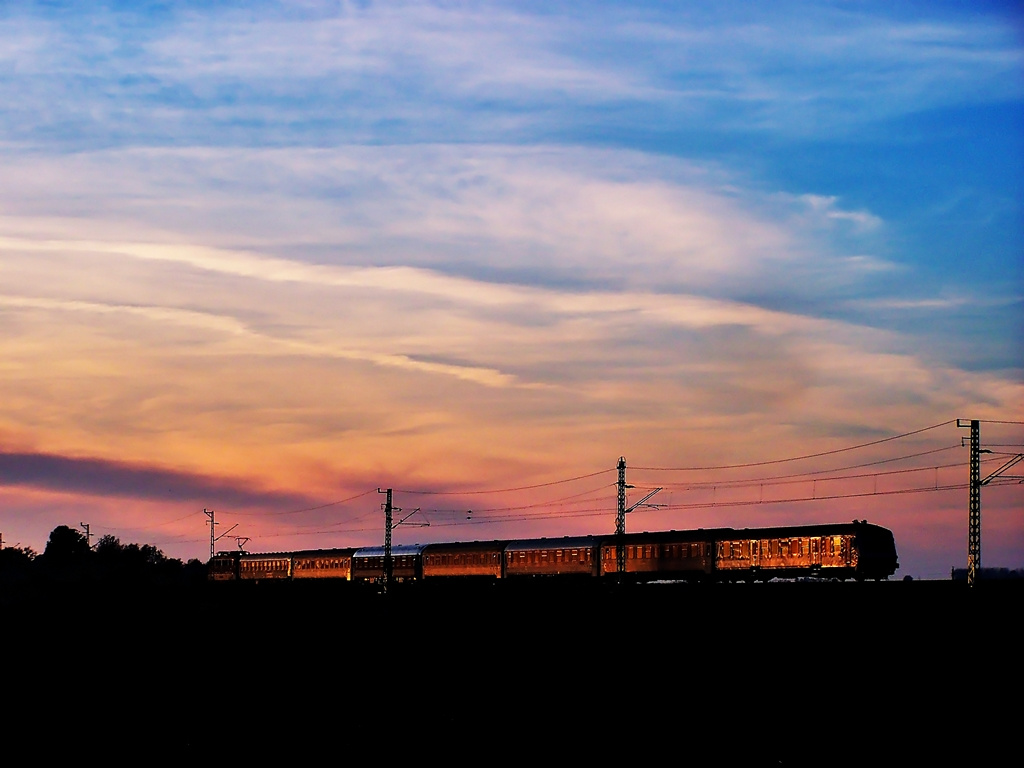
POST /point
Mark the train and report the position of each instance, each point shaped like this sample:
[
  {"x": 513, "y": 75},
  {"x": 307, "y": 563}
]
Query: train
[{"x": 857, "y": 550}]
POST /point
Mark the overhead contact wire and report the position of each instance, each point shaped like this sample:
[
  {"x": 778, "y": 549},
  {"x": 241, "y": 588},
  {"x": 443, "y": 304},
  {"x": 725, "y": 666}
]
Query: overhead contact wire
[
  {"x": 797, "y": 458},
  {"x": 505, "y": 490}
]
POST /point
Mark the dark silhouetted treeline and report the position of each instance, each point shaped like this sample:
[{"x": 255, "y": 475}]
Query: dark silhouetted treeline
[{"x": 69, "y": 558}]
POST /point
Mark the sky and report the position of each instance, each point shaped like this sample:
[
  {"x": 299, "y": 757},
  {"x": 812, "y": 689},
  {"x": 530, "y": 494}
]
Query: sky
[{"x": 266, "y": 258}]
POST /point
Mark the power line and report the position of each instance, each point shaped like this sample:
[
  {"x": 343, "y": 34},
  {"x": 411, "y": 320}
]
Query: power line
[
  {"x": 834, "y": 497},
  {"x": 797, "y": 479},
  {"x": 505, "y": 490},
  {"x": 607, "y": 512},
  {"x": 807, "y": 477},
  {"x": 809, "y": 474},
  {"x": 305, "y": 509},
  {"x": 797, "y": 458},
  {"x": 563, "y": 500}
]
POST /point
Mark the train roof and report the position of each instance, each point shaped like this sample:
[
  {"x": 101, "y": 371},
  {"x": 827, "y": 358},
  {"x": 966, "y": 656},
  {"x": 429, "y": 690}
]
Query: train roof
[
  {"x": 820, "y": 529},
  {"x": 464, "y": 546},
  {"x": 523, "y": 545},
  {"x": 696, "y": 534},
  {"x": 265, "y": 555},
  {"x": 396, "y": 550},
  {"x": 342, "y": 552}
]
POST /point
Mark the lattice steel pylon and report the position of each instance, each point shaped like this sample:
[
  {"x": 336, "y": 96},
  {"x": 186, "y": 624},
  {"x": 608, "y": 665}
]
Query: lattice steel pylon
[
  {"x": 388, "y": 527},
  {"x": 620, "y": 522},
  {"x": 974, "y": 503},
  {"x": 620, "y": 519}
]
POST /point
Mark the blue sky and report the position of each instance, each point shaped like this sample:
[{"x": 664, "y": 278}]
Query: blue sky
[{"x": 611, "y": 212}]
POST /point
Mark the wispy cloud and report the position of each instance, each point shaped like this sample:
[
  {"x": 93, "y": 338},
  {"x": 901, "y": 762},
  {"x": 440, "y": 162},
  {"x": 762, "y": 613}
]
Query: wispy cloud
[
  {"x": 410, "y": 70},
  {"x": 527, "y": 216}
]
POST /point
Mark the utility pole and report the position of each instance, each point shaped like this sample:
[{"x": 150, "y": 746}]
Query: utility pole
[
  {"x": 620, "y": 522},
  {"x": 620, "y": 519},
  {"x": 974, "y": 494},
  {"x": 973, "y": 501},
  {"x": 389, "y": 526},
  {"x": 388, "y": 514},
  {"x": 213, "y": 539},
  {"x": 88, "y": 536}
]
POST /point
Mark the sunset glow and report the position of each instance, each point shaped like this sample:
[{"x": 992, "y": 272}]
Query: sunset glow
[{"x": 262, "y": 258}]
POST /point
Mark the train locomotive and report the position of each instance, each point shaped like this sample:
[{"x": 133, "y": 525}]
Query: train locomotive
[{"x": 857, "y": 550}]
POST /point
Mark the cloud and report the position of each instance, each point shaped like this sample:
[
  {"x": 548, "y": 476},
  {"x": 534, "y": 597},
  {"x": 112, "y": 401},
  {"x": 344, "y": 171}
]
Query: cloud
[
  {"x": 825, "y": 206},
  {"x": 104, "y": 477},
  {"x": 491, "y": 71},
  {"x": 544, "y": 215}
]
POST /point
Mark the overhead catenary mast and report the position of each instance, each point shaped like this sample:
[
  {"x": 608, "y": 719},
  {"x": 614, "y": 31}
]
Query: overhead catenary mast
[
  {"x": 620, "y": 518},
  {"x": 974, "y": 495},
  {"x": 214, "y": 538},
  {"x": 389, "y": 526}
]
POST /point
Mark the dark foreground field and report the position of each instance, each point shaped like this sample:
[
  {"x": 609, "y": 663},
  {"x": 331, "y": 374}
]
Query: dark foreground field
[{"x": 763, "y": 674}]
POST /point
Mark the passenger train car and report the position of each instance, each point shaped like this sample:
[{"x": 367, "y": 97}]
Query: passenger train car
[{"x": 856, "y": 550}]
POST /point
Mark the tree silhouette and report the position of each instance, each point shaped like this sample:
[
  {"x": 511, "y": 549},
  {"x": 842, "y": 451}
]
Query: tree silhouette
[
  {"x": 67, "y": 550},
  {"x": 16, "y": 563},
  {"x": 68, "y": 557}
]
